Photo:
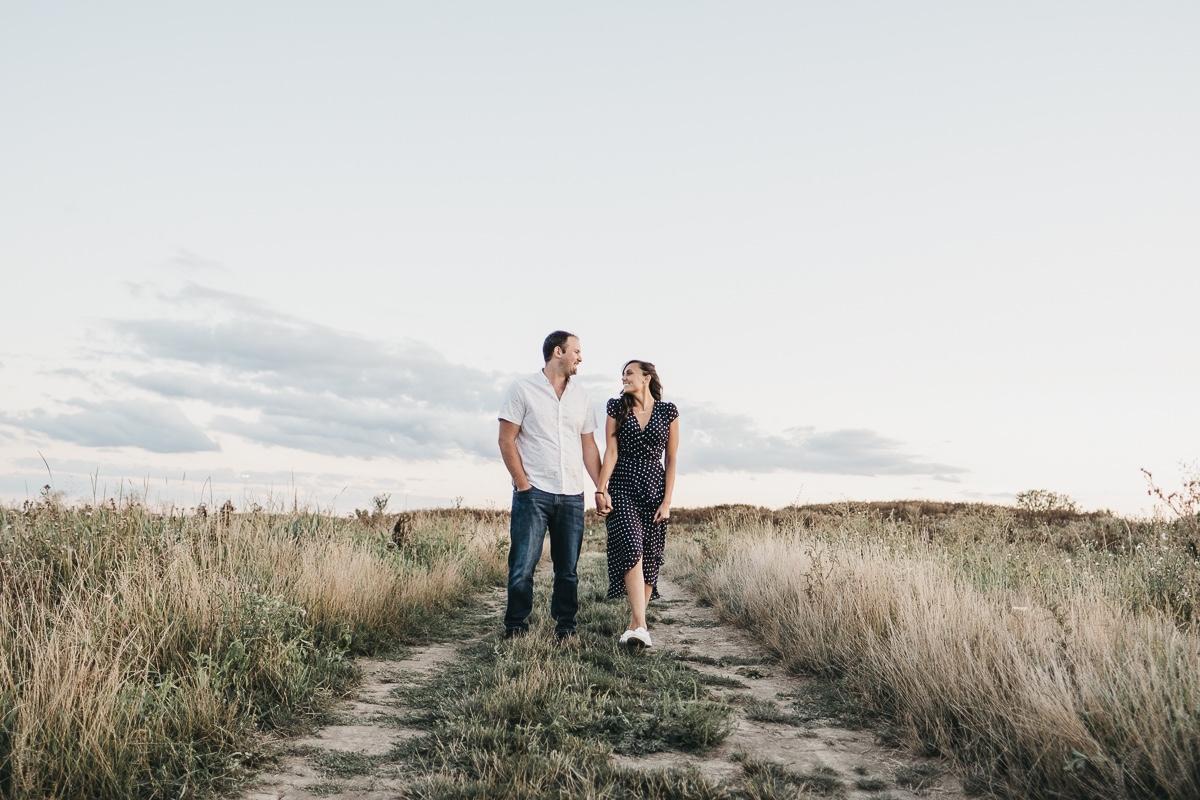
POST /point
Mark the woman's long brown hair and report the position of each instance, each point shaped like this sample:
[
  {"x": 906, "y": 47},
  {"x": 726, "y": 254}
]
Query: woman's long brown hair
[{"x": 655, "y": 387}]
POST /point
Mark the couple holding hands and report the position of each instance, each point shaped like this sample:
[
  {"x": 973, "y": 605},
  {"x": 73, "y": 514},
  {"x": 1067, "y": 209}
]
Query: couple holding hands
[{"x": 547, "y": 441}]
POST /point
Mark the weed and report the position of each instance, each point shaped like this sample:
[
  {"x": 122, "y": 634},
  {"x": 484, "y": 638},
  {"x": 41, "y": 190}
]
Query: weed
[
  {"x": 141, "y": 652},
  {"x": 722, "y": 681},
  {"x": 766, "y": 711},
  {"x": 768, "y": 780},
  {"x": 917, "y": 776},
  {"x": 344, "y": 764},
  {"x": 526, "y": 718},
  {"x": 987, "y": 635},
  {"x": 871, "y": 784}
]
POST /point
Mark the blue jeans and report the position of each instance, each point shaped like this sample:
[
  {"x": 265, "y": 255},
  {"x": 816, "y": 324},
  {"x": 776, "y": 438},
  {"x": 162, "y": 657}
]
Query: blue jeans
[{"x": 533, "y": 511}]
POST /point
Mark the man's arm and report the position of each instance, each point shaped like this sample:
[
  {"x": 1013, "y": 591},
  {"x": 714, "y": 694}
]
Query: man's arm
[
  {"x": 610, "y": 462},
  {"x": 512, "y": 456},
  {"x": 591, "y": 457}
]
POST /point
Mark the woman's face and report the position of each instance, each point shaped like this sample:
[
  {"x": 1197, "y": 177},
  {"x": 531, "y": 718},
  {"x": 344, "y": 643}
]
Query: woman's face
[{"x": 633, "y": 379}]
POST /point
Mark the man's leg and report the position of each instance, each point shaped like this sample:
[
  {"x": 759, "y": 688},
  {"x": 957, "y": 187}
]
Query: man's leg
[
  {"x": 526, "y": 532},
  {"x": 566, "y": 539}
]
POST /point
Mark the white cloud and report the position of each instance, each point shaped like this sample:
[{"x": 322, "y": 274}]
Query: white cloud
[
  {"x": 150, "y": 425},
  {"x": 290, "y": 382}
]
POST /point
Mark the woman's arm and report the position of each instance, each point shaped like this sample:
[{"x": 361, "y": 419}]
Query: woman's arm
[
  {"x": 610, "y": 453},
  {"x": 669, "y": 462}
]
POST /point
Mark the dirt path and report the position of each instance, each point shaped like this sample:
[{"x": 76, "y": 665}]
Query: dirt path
[
  {"x": 766, "y": 728},
  {"x": 780, "y": 719},
  {"x": 350, "y": 760}
]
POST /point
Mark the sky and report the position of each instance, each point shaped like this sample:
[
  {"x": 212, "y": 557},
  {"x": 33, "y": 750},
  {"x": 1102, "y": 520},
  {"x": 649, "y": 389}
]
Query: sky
[{"x": 294, "y": 253}]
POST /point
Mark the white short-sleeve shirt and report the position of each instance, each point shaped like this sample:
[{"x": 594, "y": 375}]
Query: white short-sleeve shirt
[{"x": 549, "y": 440}]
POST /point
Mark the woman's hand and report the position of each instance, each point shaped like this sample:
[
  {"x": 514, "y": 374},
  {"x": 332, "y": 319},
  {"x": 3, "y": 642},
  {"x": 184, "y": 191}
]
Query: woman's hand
[
  {"x": 603, "y": 503},
  {"x": 663, "y": 514}
]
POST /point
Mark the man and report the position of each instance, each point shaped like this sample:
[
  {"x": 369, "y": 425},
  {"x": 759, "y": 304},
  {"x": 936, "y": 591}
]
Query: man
[{"x": 546, "y": 426}]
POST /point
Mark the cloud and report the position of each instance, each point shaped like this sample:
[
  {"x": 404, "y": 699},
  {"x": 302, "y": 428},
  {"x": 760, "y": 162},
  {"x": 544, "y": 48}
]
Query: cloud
[
  {"x": 277, "y": 350},
  {"x": 291, "y": 382},
  {"x": 325, "y": 422},
  {"x": 107, "y": 467},
  {"x": 187, "y": 262},
  {"x": 337, "y": 427},
  {"x": 312, "y": 387},
  {"x": 716, "y": 441},
  {"x": 151, "y": 425}
]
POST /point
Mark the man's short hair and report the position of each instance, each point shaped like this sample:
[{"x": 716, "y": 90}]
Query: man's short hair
[{"x": 556, "y": 339}]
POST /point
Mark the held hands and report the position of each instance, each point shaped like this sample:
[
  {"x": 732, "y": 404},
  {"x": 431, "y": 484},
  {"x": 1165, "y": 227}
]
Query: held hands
[
  {"x": 603, "y": 503},
  {"x": 604, "y": 507}
]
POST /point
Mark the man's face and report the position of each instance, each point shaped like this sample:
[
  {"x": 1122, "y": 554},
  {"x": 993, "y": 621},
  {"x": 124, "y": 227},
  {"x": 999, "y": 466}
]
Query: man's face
[{"x": 572, "y": 356}]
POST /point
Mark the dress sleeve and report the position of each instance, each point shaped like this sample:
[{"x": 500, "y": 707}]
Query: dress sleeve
[
  {"x": 672, "y": 413},
  {"x": 613, "y": 407}
]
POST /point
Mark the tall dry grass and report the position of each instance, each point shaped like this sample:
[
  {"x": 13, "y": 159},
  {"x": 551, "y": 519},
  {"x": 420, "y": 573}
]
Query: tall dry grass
[
  {"x": 1043, "y": 671},
  {"x": 139, "y": 652}
]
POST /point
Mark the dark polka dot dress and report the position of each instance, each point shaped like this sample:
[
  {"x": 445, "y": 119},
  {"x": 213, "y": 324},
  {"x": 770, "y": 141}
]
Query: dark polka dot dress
[{"x": 637, "y": 487}]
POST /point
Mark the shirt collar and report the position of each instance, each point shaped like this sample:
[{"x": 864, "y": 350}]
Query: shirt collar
[{"x": 544, "y": 379}]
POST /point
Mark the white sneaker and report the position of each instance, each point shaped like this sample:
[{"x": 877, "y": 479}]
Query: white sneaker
[
  {"x": 625, "y": 636},
  {"x": 641, "y": 636}
]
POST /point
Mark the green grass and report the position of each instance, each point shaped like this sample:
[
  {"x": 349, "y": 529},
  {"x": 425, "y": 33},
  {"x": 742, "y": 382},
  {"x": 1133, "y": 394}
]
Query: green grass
[
  {"x": 871, "y": 784},
  {"x": 725, "y": 661},
  {"x": 917, "y": 776},
  {"x": 142, "y": 652},
  {"x": 722, "y": 681},
  {"x": 752, "y": 672},
  {"x": 1042, "y": 658},
  {"x": 770, "y": 780},
  {"x": 826, "y": 702},
  {"x": 532, "y": 718},
  {"x": 766, "y": 711},
  {"x": 344, "y": 764}
]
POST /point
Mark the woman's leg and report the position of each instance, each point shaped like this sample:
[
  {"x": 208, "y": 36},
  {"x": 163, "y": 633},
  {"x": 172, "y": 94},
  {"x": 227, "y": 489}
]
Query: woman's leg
[
  {"x": 652, "y": 552},
  {"x": 636, "y": 595}
]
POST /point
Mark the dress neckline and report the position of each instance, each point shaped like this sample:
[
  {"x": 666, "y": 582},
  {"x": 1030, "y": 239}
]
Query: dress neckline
[{"x": 650, "y": 416}]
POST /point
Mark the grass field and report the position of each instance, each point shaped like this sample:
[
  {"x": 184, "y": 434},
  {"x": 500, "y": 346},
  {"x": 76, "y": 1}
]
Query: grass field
[
  {"x": 534, "y": 719},
  {"x": 1048, "y": 658},
  {"x": 140, "y": 653},
  {"x": 143, "y": 654},
  {"x": 531, "y": 718}
]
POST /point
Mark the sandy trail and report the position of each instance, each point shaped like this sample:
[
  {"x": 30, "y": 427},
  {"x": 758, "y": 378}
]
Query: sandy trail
[
  {"x": 348, "y": 760},
  {"x": 855, "y": 755},
  {"x": 369, "y": 726}
]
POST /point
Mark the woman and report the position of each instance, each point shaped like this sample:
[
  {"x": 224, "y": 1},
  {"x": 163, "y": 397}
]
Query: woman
[{"x": 636, "y": 487}]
